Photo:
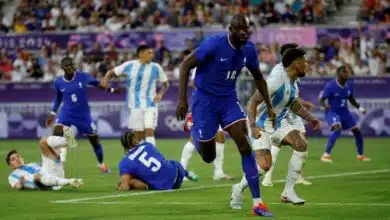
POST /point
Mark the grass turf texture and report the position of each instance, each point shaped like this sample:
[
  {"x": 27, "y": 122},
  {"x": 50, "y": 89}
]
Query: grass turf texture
[{"x": 350, "y": 195}]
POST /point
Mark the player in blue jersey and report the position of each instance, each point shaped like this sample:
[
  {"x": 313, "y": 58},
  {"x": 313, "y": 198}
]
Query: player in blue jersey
[
  {"x": 144, "y": 167},
  {"x": 219, "y": 61},
  {"x": 334, "y": 99},
  {"x": 71, "y": 90}
]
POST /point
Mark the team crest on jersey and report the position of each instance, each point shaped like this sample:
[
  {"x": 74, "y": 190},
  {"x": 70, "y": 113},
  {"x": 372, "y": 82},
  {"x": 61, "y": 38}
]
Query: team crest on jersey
[{"x": 80, "y": 85}]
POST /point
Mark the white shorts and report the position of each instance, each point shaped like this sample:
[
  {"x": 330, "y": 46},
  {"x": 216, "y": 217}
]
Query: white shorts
[
  {"x": 298, "y": 124},
  {"x": 52, "y": 167},
  {"x": 143, "y": 118},
  {"x": 268, "y": 139}
]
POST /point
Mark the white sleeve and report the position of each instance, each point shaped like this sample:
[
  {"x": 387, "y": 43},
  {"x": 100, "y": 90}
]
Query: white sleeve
[
  {"x": 13, "y": 180},
  {"x": 274, "y": 82},
  {"x": 161, "y": 75},
  {"x": 119, "y": 70}
]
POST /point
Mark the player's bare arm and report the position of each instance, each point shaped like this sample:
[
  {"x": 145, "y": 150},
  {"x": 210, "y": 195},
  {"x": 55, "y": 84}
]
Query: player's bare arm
[
  {"x": 124, "y": 185},
  {"x": 188, "y": 64},
  {"x": 306, "y": 104},
  {"x": 163, "y": 90},
  {"x": 105, "y": 81},
  {"x": 261, "y": 85},
  {"x": 353, "y": 101},
  {"x": 299, "y": 110},
  {"x": 138, "y": 184},
  {"x": 252, "y": 112},
  {"x": 324, "y": 103},
  {"x": 56, "y": 105}
]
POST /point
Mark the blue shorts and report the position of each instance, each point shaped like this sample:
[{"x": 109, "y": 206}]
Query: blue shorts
[
  {"x": 181, "y": 173},
  {"x": 84, "y": 125},
  {"x": 208, "y": 112},
  {"x": 342, "y": 117}
]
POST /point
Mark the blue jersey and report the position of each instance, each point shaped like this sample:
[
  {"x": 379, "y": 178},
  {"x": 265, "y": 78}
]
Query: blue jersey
[
  {"x": 74, "y": 95},
  {"x": 219, "y": 65},
  {"x": 337, "y": 95},
  {"x": 146, "y": 163}
]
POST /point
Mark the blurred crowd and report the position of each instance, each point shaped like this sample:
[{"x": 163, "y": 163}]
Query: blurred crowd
[
  {"x": 365, "y": 57},
  {"x": 375, "y": 11},
  {"x": 116, "y": 15}
]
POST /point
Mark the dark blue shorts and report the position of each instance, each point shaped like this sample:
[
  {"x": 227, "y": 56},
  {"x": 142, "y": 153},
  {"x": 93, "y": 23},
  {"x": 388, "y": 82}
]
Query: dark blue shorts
[
  {"x": 84, "y": 125},
  {"x": 181, "y": 173},
  {"x": 342, "y": 117}
]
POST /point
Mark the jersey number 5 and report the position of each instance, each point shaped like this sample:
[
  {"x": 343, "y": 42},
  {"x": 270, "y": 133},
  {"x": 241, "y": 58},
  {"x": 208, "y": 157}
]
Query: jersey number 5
[
  {"x": 150, "y": 162},
  {"x": 231, "y": 75}
]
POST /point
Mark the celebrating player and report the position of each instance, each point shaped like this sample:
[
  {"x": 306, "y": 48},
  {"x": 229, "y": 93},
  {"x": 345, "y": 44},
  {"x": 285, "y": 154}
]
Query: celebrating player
[
  {"x": 282, "y": 86},
  {"x": 219, "y": 61},
  {"x": 293, "y": 119},
  {"x": 334, "y": 99},
  {"x": 49, "y": 176},
  {"x": 144, "y": 167},
  {"x": 71, "y": 89},
  {"x": 142, "y": 99},
  {"x": 189, "y": 147}
]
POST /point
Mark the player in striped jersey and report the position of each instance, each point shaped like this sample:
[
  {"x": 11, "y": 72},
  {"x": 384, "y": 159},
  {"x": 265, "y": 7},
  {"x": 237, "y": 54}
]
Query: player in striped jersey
[
  {"x": 283, "y": 90},
  {"x": 142, "y": 99},
  {"x": 48, "y": 176}
]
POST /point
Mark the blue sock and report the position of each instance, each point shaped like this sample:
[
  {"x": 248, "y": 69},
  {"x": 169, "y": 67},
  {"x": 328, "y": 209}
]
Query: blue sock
[
  {"x": 249, "y": 166},
  {"x": 332, "y": 140},
  {"x": 98, "y": 149},
  {"x": 359, "y": 142}
]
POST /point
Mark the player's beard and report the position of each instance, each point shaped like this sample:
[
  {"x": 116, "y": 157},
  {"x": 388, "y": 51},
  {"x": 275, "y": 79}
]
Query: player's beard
[{"x": 301, "y": 74}]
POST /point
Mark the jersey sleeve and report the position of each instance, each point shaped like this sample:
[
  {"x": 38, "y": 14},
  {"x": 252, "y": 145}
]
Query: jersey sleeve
[
  {"x": 90, "y": 80},
  {"x": 205, "y": 49},
  {"x": 327, "y": 91},
  {"x": 120, "y": 70},
  {"x": 252, "y": 62},
  {"x": 274, "y": 82},
  {"x": 161, "y": 75},
  {"x": 13, "y": 179},
  {"x": 125, "y": 168}
]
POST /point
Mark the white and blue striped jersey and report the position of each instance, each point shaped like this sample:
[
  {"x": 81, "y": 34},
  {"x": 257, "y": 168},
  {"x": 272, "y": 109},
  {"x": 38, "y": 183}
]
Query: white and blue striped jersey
[
  {"x": 141, "y": 82},
  {"x": 283, "y": 92},
  {"x": 27, "y": 171}
]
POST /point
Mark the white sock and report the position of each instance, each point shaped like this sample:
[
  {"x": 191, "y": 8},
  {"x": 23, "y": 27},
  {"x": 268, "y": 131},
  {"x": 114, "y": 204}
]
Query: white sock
[
  {"x": 274, "y": 153},
  {"x": 50, "y": 180},
  {"x": 56, "y": 141},
  {"x": 243, "y": 184},
  {"x": 218, "y": 162},
  {"x": 294, "y": 169},
  {"x": 151, "y": 140},
  {"x": 186, "y": 154},
  {"x": 63, "y": 153},
  {"x": 256, "y": 201}
]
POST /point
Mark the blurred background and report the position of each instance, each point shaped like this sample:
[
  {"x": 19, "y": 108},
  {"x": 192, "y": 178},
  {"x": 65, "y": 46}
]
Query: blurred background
[{"x": 100, "y": 34}]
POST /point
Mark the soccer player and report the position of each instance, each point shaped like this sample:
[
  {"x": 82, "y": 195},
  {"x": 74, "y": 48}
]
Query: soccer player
[
  {"x": 334, "y": 99},
  {"x": 144, "y": 167},
  {"x": 71, "y": 89},
  {"x": 48, "y": 176},
  {"x": 283, "y": 87},
  {"x": 142, "y": 98},
  {"x": 293, "y": 119},
  {"x": 219, "y": 61},
  {"x": 189, "y": 147}
]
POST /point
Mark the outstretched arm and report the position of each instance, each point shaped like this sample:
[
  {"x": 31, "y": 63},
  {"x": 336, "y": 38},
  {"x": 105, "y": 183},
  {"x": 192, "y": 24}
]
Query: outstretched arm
[
  {"x": 252, "y": 107},
  {"x": 261, "y": 86},
  {"x": 306, "y": 104},
  {"x": 299, "y": 110}
]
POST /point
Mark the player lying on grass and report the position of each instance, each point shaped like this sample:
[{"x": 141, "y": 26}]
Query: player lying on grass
[
  {"x": 33, "y": 176},
  {"x": 144, "y": 167}
]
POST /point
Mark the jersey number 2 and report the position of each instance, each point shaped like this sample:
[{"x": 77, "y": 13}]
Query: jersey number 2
[
  {"x": 231, "y": 75},
  {"x": 150, "y": 162}
]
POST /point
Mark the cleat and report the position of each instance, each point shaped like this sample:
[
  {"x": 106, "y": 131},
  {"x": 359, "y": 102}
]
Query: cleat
[
  {"x": 193, "y": 177},
  {"x": 222, "y": 177},
  {"x": 363, "y": 158},
  {"x": 56, "y": 188},
  {"x": 261, "y": 210},
  {"x": 69, "y": 136},
  {"x": 267, "y": 181},
  {"x": 326, "y": 159},
  {"x": 104, "y": 168},
  {"x": 76, "y": 183},
  {"x": 188, "y": 122},
  {"x": 292, "y": 197},
  {"x": 236, "y": 201},
  {"x": 303, "y": 181}
]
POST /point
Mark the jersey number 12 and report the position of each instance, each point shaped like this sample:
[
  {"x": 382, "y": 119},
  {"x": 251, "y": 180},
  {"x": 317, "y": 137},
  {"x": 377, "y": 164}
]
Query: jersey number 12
[
  {"x": 231, "y": 75},
  {"x": 150, "y": 162}
]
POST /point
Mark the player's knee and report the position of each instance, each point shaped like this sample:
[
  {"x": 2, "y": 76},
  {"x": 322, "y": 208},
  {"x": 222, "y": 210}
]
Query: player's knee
[
  {"x": 207, "y": 151},
  {"x": 58, "y": 130},
  {"x": 336, "y": 127},
  {"x": 149, "y": 132},
  {"x": 43, "y": 142},
  {"x": 220, "y": 137},
  {"x": 301, "y": 146},
  {"x": 264, "y": 159},
  {"x": 355, "y": 130}
]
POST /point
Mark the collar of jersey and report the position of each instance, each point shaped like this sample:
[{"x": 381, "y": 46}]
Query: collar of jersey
[{"x": 74, "y": 76}]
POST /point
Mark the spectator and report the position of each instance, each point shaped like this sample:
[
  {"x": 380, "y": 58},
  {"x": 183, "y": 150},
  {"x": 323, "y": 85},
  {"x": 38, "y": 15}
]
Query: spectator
[{"x": 361, "y": 69}]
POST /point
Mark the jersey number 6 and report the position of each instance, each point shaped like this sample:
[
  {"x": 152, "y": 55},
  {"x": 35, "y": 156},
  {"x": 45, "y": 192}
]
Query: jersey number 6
[
  {"x": 150, "y": 162},
  {"x": 74, "y": 98}
]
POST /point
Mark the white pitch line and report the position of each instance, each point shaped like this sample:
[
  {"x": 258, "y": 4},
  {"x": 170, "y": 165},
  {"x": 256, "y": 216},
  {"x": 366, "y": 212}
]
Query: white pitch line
[
  {"x": 210, "y": 203},
  {"x": 131, "y": 194}
]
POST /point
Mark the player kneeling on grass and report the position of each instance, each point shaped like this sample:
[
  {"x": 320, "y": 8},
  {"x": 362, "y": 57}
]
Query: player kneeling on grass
[
  {"x": 48, "y": 176},
  {"x": 144, "y": 167}
]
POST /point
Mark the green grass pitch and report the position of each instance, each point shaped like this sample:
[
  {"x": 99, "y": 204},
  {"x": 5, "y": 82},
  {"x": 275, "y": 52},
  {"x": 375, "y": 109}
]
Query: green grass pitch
[{"x": 346, "y": 189}]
